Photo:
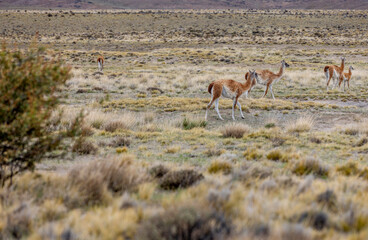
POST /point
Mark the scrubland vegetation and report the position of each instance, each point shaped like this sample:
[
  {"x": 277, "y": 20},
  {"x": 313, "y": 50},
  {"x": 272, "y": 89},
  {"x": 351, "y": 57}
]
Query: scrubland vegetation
[{"x": 147, "y": 166}]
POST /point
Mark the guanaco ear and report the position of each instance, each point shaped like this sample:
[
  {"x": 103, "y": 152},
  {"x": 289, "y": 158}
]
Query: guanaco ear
[{"x": 246, "y": 75}]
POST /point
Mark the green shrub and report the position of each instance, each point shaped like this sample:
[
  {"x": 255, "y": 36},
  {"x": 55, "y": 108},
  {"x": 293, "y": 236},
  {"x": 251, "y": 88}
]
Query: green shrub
[
  {"x": 28, "y": 86},
  {"x": 190, "y": 124},
  {"x": 218, "y": 166}
]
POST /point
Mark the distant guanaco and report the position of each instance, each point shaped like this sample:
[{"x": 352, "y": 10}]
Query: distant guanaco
[
  {"x": 268, "y": 78},
  {"x": 100, "y": 63},
  {"x": 334, "y": 72},
  {"x": 230, "y": 89},
  {"x": 345, "y": 77}
]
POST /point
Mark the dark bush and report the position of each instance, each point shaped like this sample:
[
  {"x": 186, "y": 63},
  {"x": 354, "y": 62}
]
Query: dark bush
[
  {"x": 28, "y": 87},
  {"x": 83, "y": 146},
  {"x": 158, "y": 171},
  {"x": 180, "y": 179},
  {"x": 328, "y": 199},
  {"x": 186, "y": 223},
  {"x": 317, "y": 220}
]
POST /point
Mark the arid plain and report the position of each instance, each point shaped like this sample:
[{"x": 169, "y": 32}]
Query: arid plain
[{"x": 150, "y": 167}]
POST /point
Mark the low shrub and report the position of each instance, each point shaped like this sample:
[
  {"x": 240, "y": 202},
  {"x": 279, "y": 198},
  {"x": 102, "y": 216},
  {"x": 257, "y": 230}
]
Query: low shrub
[
  {"x": 180, "y": 179},
  {"x": 190, "y": 124},
  {"x": 235, "y": 130},
  {"x": 83, "y": 146},
  {"x": 186, "y": 223},
  {"x": 348, "y": 169},
  {"x": 114, "y": 126},
  {"x": 275, "y": 155},
  {"x": 328, "y": 199},
  {"x": 310, "y": 166},
  {"x": 158, "y": 171},
  {"x": 303, "y": 124},
  {"x": 253, "y": 154},
  {"x": 220, "y": 166}
]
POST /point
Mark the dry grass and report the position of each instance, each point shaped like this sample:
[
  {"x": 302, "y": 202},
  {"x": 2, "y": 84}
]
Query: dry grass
[
  {"x": 302, "y": 124},
  {"x": 236, "y": 130}
]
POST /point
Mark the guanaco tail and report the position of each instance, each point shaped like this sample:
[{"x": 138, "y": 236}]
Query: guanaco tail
[
  {"x": 100, "y": 63},
  {"x": 268, "y": 78},
  {"x": 334, "y": 72},
  {"x": 230, "y": 89}
]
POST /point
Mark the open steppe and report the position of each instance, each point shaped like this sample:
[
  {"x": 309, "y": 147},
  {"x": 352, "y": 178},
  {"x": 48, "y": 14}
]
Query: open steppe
[{"x": 150, "y": 167}]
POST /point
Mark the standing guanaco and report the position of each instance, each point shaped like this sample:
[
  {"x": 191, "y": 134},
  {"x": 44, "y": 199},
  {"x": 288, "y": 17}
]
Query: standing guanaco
[
  {"x": 268, "y": 78},
  {"x": 334, "y": 72},
  {"x": 230, "y": 89},
  {"x": 346, "y": 77},
  {"x": 100, "y": 63}
]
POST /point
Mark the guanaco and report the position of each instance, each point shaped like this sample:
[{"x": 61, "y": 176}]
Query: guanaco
[
  {"x": 230, "y": 89},
  {"x": 334, "y": 72},
  {"x": 345, "y": 77},
  {"x": 100, "y": 63},
  {"x": 268, "y": 78}
]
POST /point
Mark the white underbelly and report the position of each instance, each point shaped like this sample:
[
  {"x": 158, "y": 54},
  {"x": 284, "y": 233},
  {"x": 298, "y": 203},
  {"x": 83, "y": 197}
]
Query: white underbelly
[{"x": 227, "y": 93}]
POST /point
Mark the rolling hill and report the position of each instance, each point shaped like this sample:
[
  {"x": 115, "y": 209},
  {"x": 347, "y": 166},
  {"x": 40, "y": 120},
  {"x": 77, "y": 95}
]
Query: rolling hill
[{"x": 184, "y": 4}]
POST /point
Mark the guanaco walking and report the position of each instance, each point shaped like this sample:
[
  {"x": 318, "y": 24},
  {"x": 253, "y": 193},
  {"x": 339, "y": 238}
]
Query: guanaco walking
[
  {"x": 230, "y": 89},
  {"x": 100, "y": 63},
  {"x": 334, "y": 72},
  {"x": 268, "y": 78},
  {"x": 345, "y": 77}
]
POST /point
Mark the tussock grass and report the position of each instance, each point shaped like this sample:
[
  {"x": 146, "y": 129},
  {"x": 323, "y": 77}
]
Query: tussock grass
[
  {"x": 220, "y": 166},
  {"x": 189, "y": 222},
  {"x": 84, "y": 146},
  {"x": 179, "y": 179},
  {"x": 310, "y": 166},
  {"x": 302, "y": 124},
  {"x": 236, "y": 130},
  {"x": 193, "y": 123}
]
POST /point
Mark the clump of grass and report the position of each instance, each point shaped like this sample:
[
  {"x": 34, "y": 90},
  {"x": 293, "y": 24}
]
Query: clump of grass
[
  {"x": 270, "y": 125},
  {"x": 235, "y": 130},
  {"x": 275, "y": 155},
  {"x": 303, "y": 124},
  {"x": 253, "y": 154},
  {"x": 173, "y": 149},
  {"x": 218, "y": 166},
  {"x": 186, "y": 223},
  {"x": 214, "y": 152},
  {"x": 83, "y": 146},
  {"x": 364, "y": 174},
  {"x": 87, "y": 131},
  {"x": 117, "y": 175},
  {"x": 19, "y": 223},
  {"x": 114, "y": 126},
  {"x": 180, "y": 179},
  {"x": 317, "y": 220},
  {"x": 361, "y": 142},
  {"x": 158, "y": 171},
  {"x": 328, "y": 199},
  {"x": 191, "y": 123},
  {"x": 120, "y": 142},
  {"x": 310, "y": 166},
  {"x": 348, "y": 169}
]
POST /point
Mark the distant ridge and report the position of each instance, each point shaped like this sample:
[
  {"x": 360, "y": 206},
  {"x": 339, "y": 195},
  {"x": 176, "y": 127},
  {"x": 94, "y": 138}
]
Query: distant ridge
[{"x": 184, "y": 4}]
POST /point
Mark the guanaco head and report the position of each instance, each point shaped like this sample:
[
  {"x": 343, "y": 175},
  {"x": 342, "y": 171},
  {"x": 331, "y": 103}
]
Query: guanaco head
[
  {"x": 351, "y": 68},
  {"x": 252, "y": 76},
  {"x": 284, "y": 64}
]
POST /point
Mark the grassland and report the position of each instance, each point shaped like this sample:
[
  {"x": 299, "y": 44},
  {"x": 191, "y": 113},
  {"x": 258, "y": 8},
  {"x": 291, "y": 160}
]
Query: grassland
[{"x": 294, "y": 168}]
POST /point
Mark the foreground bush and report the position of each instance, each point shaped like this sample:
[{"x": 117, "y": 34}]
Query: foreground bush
[
  {"x": 186, "y": 223},
  {"x": 235, "y": 130},
  {"x": 180, "y": 179},
  {"x": 28, "y": 87}
]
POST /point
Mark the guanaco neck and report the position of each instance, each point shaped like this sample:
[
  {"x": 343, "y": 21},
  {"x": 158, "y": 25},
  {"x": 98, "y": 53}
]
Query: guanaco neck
[
  {"x": 282, "y": 68},
  {"x": 248, "y": 83},
  {"x": 342, "y": 64}
]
